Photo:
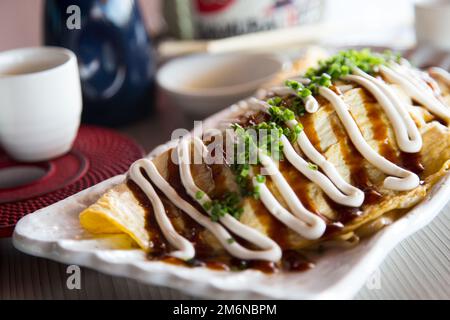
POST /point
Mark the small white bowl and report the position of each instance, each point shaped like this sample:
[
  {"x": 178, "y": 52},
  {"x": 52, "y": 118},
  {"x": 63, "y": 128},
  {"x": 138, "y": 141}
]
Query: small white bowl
[{"x": 203, "y": 84}]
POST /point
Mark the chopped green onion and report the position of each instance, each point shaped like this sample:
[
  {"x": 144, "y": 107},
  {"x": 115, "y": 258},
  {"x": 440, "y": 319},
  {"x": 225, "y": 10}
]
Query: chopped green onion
[
  {"x": 275, "y": 101},
  {"x": 295, "y": 85},
  {"x": 256, "y": 191},
  {"x": 229, "y": 204},
  {"x": 207, "y": 205},
  {"x": 245, "y": 172},
  {"x": 313, "y": 166},
  {"x": 260, "y": 178},
  {"x": 288, "y": 115},
  {"x": 284, "y": 109},
  {"x": 305, "y": 93},
  {"x": 199, "y": 195}
]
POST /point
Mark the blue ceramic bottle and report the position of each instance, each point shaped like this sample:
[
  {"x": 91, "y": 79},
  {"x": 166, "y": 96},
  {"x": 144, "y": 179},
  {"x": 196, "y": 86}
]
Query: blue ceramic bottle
[{"x": 114, "y": 53}]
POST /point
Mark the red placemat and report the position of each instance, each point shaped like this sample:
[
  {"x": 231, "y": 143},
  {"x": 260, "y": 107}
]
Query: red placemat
[{"x": 97, "y": 154}]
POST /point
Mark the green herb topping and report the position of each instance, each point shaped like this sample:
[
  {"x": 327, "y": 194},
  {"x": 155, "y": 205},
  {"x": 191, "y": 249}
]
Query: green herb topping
[
  {"x": 344, "y": 62},
  {"x": 260, "y": 178},
  {"x": 313, "y": 166},
  {"x": 199, "y": 195},
  {"x": 229, "y": 204},
  {"x": 338, "y": 66},
  {"x": 283, "y": 110}
]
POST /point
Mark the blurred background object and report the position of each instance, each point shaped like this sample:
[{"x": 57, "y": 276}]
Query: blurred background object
[
  {"x": 206, "y": 19},
  {"x": 178, "y": 19},
  {"x": 116, "y": 59},
  {"x": 20, "y": 21},
  {"x": 114, "y": 53},
  {"x": 433, "y": 24}
]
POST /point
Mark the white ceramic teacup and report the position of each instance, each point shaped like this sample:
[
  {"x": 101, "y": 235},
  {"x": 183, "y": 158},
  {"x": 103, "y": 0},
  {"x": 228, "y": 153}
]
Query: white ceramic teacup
[{"x": 40, "y": 102}]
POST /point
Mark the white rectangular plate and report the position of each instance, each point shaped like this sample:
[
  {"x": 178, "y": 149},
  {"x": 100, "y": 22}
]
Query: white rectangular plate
[{"x": 55, "y": 233}]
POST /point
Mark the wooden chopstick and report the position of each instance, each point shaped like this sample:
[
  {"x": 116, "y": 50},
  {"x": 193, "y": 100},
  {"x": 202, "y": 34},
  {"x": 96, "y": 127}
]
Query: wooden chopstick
[{"x": 252, "y": 41}]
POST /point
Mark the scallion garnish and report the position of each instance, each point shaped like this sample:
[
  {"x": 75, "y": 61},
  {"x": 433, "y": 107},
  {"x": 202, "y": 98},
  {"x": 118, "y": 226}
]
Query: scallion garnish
[
  {"x": 313, "y": 166},
  {"x": 199, "y": 195}
]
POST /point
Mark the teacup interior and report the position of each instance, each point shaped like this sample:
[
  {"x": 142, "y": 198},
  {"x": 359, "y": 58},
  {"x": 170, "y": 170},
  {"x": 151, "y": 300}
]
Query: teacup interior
[{"x": 28, "y": 61}]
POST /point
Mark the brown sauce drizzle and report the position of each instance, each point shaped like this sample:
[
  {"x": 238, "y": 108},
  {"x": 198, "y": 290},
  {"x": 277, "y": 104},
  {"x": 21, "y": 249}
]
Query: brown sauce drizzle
[
  {"x": 358, "y": 175},
  {"x": 412, "y": 162},
  {"x": 191, "y": 230},
  {"x": 276, "y": 230},
  {"x": 353, "y": 159},
  {"x": 174, "y": 179},
  {"x": 380, "y": 130},
  {"x": 440, "y": 120},
  {"x": 409, "y": 161},
  {"x": 253, "y": 119},
  {"x": 266, "y": 267},
  {"x": 159, "y": 245},
  {"x": 310, "y": 131},
  {"x": 295, "y": 261},
  {"x": 219, "y": 177},
  {"x": 336, "y": 90},
  {"x": 345, "y": 215},
  {"x": 291, "y": 260},
  {"x": 299, "y": 184},
  {"x": 432, "y": 85}
]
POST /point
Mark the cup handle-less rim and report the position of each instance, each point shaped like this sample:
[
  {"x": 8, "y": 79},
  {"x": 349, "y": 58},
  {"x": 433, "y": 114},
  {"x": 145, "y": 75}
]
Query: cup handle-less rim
[{"x": 61, "y": 57}]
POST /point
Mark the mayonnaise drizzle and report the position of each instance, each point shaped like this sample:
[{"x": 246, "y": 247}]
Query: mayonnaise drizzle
[
  {"x": 415, "y": 89},
  {"x": 299, "y": 219},
  {"x": 185, "y": 248},
  {"x": 318, "y": 177},
  {"x": 233, "y": 247},
  {"x": 311, "y": 104},
  {"x": 428, "y": 82},
  {"x": 345, "y": 193},
  {"x": 400, "y": 178},
  {"x": 441, "y": 74},
  {"x": 308, "y": 225},
  {"x": 271, "y": 251},
  {"x": 406, "y": 132}
]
